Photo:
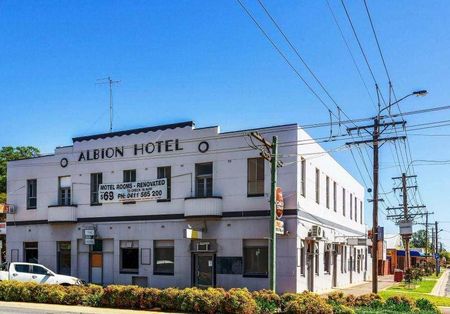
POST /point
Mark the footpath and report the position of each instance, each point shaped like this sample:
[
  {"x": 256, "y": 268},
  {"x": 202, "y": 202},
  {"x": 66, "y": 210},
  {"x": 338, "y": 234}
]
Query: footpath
[
  {"x": 384, "y": 282},
  {"x": 24, "y": 307}
]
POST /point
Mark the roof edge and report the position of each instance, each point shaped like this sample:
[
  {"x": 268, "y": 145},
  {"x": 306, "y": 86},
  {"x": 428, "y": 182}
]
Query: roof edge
[{"x": 134, "y": 131}]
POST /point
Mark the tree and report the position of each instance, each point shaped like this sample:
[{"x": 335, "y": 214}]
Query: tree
[
  {"x": 418, "y": 239},
  {"x": 9, "y": 153}
]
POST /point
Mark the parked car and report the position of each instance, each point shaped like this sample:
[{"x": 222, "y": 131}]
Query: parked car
[{"x": 35, "y": 273}]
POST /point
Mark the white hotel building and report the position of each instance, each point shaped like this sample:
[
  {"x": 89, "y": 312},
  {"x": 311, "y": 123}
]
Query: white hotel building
[{"x": 217, "y": 184}]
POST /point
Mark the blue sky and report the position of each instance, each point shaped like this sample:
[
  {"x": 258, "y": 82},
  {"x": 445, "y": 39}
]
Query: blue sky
[{"x": 206, "y": 61}]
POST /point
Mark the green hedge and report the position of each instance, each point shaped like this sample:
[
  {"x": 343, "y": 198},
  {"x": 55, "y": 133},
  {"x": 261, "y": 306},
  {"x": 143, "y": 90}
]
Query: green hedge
[{"x": 209, "y": 301}]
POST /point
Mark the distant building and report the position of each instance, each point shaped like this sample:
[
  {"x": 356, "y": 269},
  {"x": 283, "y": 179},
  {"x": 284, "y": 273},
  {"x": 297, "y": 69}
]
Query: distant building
[{"x": 211, "y": 227}]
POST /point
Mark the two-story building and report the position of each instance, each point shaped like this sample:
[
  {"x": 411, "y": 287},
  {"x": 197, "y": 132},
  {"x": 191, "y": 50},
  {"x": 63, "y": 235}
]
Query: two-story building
[{"x": 212, "y": 226}]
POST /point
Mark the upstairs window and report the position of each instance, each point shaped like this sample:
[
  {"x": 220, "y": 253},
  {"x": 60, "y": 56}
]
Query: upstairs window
[
  {"x": 255, "y": 176},
  {"x": 356, "y": 209},
  {"x": 165, "y": 172},
  {"x": 204, "y": 179},
  {"x": 303, "y": 177},
  {"x": 96, "y": 180},
  {"x": 65, "y": 191},
  {"x": 317, "y": 186},
  {"x": 32, "y": 194},
  {"x": 328, "y": 192},
  {"x": 343, "y": 201},
  {"x": 351, "y": 206},
  {"x": 360, "y": 212},
  {"x": 334, "y": 196},
  {"x": 129, "y": 175}
]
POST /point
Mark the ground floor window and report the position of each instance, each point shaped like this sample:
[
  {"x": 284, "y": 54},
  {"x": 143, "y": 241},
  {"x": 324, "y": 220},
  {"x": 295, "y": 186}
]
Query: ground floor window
[
  {"x": 326, "y": 258},
  {"x": 164, "y": 257},
  {"x": 256, "y": 258},
  {"x": 302, "y": 257},
  {"x": 63, "y": 257},
  {"x": 30, "y": 252},
  {"x": 316, "y": 255},
  {"x": 129, "y": 257}
]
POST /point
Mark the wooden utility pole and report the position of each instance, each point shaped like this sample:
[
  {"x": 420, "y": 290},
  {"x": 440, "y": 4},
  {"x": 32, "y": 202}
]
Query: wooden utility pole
[
  {"x": 376, "y": 142},
  {"x": 436, "y": 249},
  {"x": 270, "y": 153}
]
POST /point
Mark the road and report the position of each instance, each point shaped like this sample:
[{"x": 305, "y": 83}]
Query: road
[{"x": 36, "y": 308}]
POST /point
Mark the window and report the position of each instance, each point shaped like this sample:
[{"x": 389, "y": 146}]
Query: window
[
  {"x": 96, "y": 180},
  {"x": 360, "y": 212},
  {"x": 255, "y": 176},
  {"x": 65, "y": 191},
  {"x": 303, "y": 177},
  {"x": 316, "y": 257},
  {"x": 23, "y": 268},
  {"x": 204, "y": 179},
  {"x": 356, "y": 209},
  {"x": 98, "y": 245},
  {"x": 326, "y": 258},
  {"x": 164, "y": 253},
  {"x": 317, "y": 186},
  {"x": 39, "y": 270},
  {"x": 351, "y": 206},
  {"x": 328, "y": 192},
  {"x": 63, "y": 257},
  {"x": 302, "y": 257},
  {"x": 345, "y": 259},
  {"x": 256, "y": 254},
  {"x": 342, "y": 258},
  {"x": 343, "y": 201},
  {"x": 334, "y": 196},
  {"x": 129, "y": 257},
  {"x": 30, "y": 252},
  {"x": 165, "y": 172},
  {"x": 129, "y": 175},
  {"x": 32, "y": 194}
]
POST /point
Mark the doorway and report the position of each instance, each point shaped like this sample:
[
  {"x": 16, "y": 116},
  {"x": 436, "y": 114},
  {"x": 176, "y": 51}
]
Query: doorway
[
  {"x": 310, "y": 254},
  {"x": 64, "y": 257},
  {"x": 204, "y": 270}
]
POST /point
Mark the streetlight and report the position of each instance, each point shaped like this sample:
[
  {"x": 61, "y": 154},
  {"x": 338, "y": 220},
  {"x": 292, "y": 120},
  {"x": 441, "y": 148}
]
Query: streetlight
[{"x": 419, "y": 93}]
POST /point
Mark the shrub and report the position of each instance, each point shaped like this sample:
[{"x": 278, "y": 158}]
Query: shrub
[
  {"x": 93, "y": 296},
  {"x": 75, "y": 295},
  {"x": 149, "y": 298},
  {"x": 286, "y": 298},
  {"x": 239, "y": 301},
  {"x": 336, "y": 297},
  {"x": 127, "y": 297},
  {"x": 307, "y": 302},
  {"x": 426, "y": 305},
  {"x": 212, "y": 300},
  {"x": 267, "y": 301},
  {"x": 371, "y": 300},
  {"x": 339, "y": 308},
  {"x": 168, "y": 299},
  {"x": 400, "y": 304}
]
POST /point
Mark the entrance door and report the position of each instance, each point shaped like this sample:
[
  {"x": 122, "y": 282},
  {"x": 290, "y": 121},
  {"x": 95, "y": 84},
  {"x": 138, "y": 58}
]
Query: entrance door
[
  {"x": 204, "y": 274},
  {"x": 64, "y": 258}
]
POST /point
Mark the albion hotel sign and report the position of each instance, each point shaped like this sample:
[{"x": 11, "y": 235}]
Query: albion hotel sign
[{"x": 172, "y": 145}]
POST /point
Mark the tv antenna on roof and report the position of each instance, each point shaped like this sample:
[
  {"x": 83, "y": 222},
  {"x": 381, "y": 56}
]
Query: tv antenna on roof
[{"x": 108, "y": 80}]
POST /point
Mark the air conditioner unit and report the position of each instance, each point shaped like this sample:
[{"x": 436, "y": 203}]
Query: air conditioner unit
[
  {"x": 316, "y": 231},
  {"x": 202, "y": 246},
  {"x": 10, "y": 209}
]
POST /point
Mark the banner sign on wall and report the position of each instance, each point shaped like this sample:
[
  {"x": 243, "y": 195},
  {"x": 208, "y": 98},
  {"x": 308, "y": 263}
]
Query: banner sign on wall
[{"x": 148, "y": 190}]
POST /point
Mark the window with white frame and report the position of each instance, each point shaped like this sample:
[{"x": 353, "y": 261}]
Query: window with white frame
[
  {"x": 343, "y": 201},
  {"x": 255, "y": 176},
  {"x": 65, "y": 191},
  {"x": 317, "y": 186},
  {"x": 302, "y": 258},
  {"x": 327, "y": 257},
  {"x": 351, "y": 206},
  {"x": 165, "y": 172},
  {"x": 303, "y": 177},
  {"x": 96, "y": 180},
  {"x": 164, "y": 257},
  {"x": 204, "y": 179},
  {"x": 129, "y": 175},
  {"x": 327, "y": 187},
  {"x": 32, "y": 194},
  {"x": 335, "y": 196}
]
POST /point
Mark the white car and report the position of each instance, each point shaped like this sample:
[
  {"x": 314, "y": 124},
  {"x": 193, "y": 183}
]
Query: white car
[{"x": 29, "y": 272}]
